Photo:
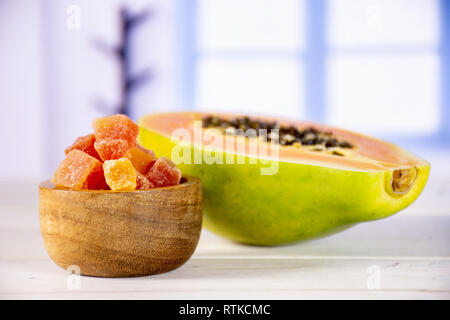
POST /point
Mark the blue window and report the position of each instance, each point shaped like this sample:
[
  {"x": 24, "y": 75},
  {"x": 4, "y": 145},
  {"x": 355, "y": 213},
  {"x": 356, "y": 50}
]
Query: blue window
[{"x": 376, "y": 66}]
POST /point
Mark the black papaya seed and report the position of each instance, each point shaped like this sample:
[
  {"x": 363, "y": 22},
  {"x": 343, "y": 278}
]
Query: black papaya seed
[
  {"x": 288, "y": 135},
  {"x": 331, "y": 143},
  {"x": 345, "y": 144}
]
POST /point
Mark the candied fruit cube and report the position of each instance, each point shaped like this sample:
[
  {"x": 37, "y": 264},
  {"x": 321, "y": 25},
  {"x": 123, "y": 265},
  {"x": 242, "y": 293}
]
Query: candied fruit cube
[
  {"x": 142, "y": 182},
  {"x": 117, "y": 126},
  {"x": 120, "y": 174},
  {"x": 163, "y": 173},
  {"x": 75, "y": 170},
  {"x": 112, "y": 149},
  {"x": 141, "y": 158},
  {"x": 85, "y": 144},
  {"x": 96, "y": 181}
]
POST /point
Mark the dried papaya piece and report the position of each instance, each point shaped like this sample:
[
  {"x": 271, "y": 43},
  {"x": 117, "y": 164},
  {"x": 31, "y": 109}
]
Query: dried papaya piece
[
  {"x": 117, "y": 126},
  {"x": 96, "y": 181},
  {"x": 142, "y": 182},
  {"x": 141, "y": 158},
  {"x": 110, "y": 158},
  {"x": 85, "y": 144},
  {"x": 163, "y": 173},
  {"x": 120, "y": 174},
  {"x": 76, "y": 169},
  {"x": 112, "y": 149}
]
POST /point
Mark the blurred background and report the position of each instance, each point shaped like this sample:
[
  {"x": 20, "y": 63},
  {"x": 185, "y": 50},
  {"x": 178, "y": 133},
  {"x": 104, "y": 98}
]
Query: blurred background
[{"x": 381, "y": 67}]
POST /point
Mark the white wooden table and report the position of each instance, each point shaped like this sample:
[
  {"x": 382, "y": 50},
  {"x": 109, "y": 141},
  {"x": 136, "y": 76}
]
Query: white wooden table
[{"x": 405, "y": 256}]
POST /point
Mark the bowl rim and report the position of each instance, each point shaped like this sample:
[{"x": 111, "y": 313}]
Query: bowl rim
[{"x": 188, "y": 181}]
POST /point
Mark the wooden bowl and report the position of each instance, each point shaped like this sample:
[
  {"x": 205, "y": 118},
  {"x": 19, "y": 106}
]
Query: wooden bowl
[{"x": 121, "y": 234}]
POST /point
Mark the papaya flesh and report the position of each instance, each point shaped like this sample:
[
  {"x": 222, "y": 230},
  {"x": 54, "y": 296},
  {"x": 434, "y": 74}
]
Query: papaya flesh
[{"x": 292, "y": 191}]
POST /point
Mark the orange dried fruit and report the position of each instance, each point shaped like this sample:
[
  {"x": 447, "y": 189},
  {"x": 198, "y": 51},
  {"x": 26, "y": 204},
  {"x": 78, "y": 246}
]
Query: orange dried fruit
[
  {"x": 117, "y": 126},
  {"x": 112, "y": 149},
  {"x": 110, "y": 158},
  {"x": 163, "y": 173},
  {"x": 142, "y": 182},
  {"x": 120, "y": 174},
  {"x": 85, "y": 144},
  {"x": 96, "y": 181},
  {"x": 141, "y": 158},
  {"x": 76, "y": 169}
]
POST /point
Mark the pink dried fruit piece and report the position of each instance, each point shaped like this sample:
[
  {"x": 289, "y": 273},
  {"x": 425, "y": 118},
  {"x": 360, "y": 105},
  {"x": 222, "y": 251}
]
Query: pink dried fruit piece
[
  {"x": 142, "y": 182},
  {"x": 163, "y": 173},
  {"x": 77, "y": 171},
  {"x": 85, "y": 144}
]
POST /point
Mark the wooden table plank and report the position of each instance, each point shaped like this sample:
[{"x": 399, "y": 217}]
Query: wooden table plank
[
  {"x": 400, "y": 236},
  {"x": 410, "y": 253},
  {"x": 262, "y": 277}
]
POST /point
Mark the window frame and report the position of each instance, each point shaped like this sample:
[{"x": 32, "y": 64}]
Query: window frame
[{"x": 314, "y": 59}]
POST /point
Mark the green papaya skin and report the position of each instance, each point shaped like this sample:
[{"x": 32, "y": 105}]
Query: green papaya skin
[{"x": 299, "y": 202}]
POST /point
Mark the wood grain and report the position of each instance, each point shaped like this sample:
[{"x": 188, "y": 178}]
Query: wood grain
[{"x": 121, "y": 234}]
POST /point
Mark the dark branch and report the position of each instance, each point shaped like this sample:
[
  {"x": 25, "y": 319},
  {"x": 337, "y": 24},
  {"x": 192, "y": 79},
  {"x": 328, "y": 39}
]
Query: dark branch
[
  {"x": 138, "y": 80},
  {"x": 132, "y": 20},
  {"x": 128, "y": 82}
]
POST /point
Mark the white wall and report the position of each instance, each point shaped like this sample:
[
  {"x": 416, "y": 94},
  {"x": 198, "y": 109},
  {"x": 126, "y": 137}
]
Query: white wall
[
  {"x": 21, "y": 91},
  {"x": 78, "y": 76},
  {"x": 53, "y": 78}
]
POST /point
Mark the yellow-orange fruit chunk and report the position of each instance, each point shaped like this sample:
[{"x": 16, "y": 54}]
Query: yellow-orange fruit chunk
[
  {"x": 140, "y": 158},
  {"x": 76, "y": 170},
  {"x": 120, "y": 174},
  {"x": 117, "y": 126}
]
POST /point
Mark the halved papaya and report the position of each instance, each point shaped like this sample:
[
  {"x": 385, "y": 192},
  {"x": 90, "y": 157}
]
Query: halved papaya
[{"x": 291, "y": 180}]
